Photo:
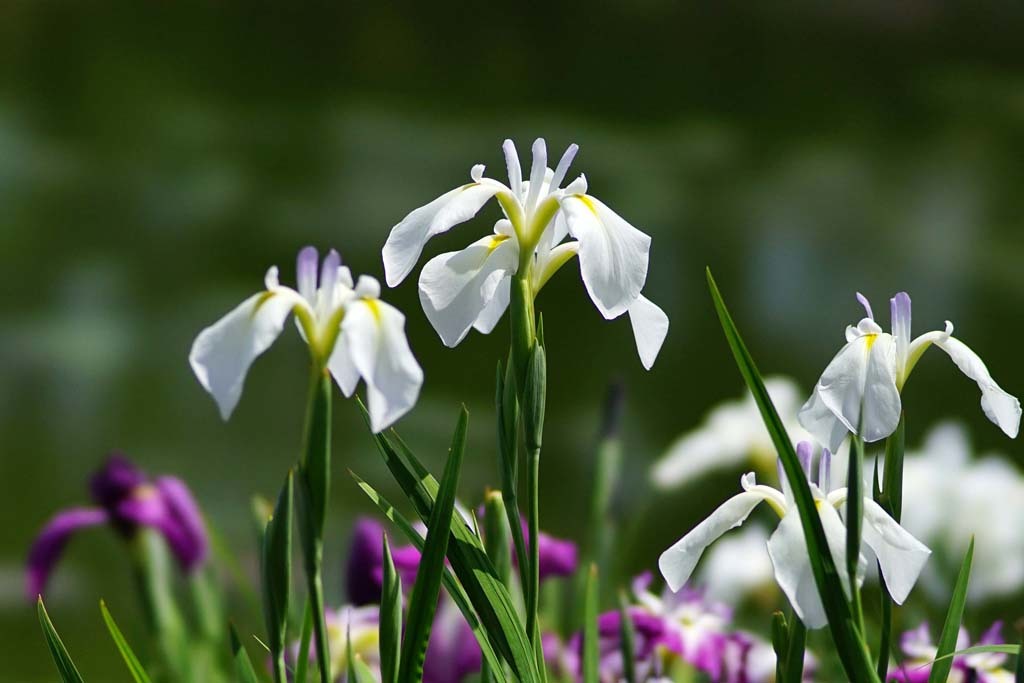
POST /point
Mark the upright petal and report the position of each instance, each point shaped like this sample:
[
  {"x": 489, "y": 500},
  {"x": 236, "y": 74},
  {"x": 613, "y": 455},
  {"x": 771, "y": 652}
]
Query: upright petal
[
  {"x": 406, "y": 241},
  {"x": 1000, "y": 407},
  {"x": 859, "y": 387},
  {"x": 613, "y": 254},
  {"x": 900, "y": 555},
  {"x": 650, "y": 327},
  {"x": 50, "y": 544},
  {"x": 678, "y": 562},
  {"x": 456, "y": 288},
  {"x": 116, "y": 479},
  {"x": 375, "y": 335},
  {"x": 183, "y": 526},
  {"x": 222, "y": 353},
  {"x": 899, "y": 307}
]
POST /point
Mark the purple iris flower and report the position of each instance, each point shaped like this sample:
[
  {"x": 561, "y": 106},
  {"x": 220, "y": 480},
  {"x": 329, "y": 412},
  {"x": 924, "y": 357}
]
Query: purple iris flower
[
  {"x": 558, "y": 557},
  {"x": 984, "y": 667},
  {"x": 651, "y": 637},
  {"x": 125, "y": 499}
]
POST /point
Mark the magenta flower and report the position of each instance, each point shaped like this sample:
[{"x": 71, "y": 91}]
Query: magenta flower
[{"x": 125, "y": 499}]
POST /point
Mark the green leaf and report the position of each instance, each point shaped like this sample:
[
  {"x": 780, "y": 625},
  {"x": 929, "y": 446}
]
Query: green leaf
[
  {"x": 132, "y": 662},
  {"x": 796, "y": 644},
  {"x": 780, "y": 643},
  {"x": 853, "y": 653},
  {"x": 451, "y": 583},
  {"x": 1018, "y": 675},
  {"x": 390, "y": 618},
  {"x": 480, "y": 581},
  {"x": 276, "y": 570},
  {"x": 507, "y": 402},
  {"x": 954, "y": 616},
  {"x": 302, "y": 661},
  {"x": 981, "y": 649},
  {"x": 627, "y": 639},
  {"x": 591, "y": 637},
  {"x": 534, "y": 398},
  {"x": 423, "y": 603},
  {"x": 243, "y": 665},
  {"x": 66, "y": 667}
]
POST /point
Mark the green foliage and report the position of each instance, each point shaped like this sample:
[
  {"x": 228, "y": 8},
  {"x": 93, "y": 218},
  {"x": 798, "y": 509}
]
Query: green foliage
[
  {"x": 954, "y": 615},
  {"x": 852, "y": 651},
  {"x": 131, "y": 661},
  {"x": 423, "y": 602},
  {"x": 591, "y": 637},
  {"x": 390, "y": 618},
  {"x": 276, "y": 570},
  {"x": 627, "y": 638},
  {"x": 244, "y": 670},
  {"x": 66, "y": 667}
]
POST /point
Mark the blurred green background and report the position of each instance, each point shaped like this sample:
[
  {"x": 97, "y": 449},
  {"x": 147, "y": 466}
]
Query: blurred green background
[{"x": 156, "y": 158}]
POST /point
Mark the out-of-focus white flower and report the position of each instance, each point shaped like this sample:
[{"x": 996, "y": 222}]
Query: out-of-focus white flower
[
  {"x": 899, "y": 554},
  {"x": 732, "y": 435},
  {"x": 737, "y": 566},
  {"x": 349, "y": 330},
  {"x": 949, "y": 497},
  {"x": 470, "y": 289},
  {"x": 859, "y": 391}
]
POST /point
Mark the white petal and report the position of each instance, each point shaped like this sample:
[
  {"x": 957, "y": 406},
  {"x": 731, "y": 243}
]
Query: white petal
[
  {"x": 406, "y": 241},
  {"x": 650, "y": 326},
  {"x": 677, "y": 563},
  {"x": 342, "y": 367},
  {"x": 900, "y": 555},
  {"x": 222, "y": 353},
  {"x": 375, "y": 334},
  {"x": 613, "y": 254},
  {"x": 863, "y": 374},
  {"x": 900, "y": 311},
  {"x": 456, "y": 288},
  {"x": 823, "y": 425},
  {"x": 791, "y": 560},
  {"x": 495, "y": 308},
  {"x": 999, "y": 406}
]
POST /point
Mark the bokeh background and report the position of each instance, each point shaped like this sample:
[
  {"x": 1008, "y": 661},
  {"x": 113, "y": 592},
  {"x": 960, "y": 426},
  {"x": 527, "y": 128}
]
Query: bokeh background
[{"x": 156, "y": 158}]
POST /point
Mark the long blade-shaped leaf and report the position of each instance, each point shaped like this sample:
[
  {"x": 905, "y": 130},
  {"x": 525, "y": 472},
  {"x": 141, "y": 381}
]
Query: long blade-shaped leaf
[
  {"x": 390, "y": 618},
  {"x": 130, "y": 660},
  {"x": 484, "y": 588},
  {"x": 423, "y": 602},
  {"x": 627, "y": 637},
  {"x": 244, "y": 670},
  {"x": 591, "y": 637},
  {"x": 66, "y": 667},
  {"x": 851, "y": 649},
  {"x": 276, "y": 568},
  {"x": 451, "y": 583},
  {"x": 954, "y": 615}
]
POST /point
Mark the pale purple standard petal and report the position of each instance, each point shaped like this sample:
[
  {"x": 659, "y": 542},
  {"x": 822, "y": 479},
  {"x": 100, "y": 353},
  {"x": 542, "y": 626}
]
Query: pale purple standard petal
[
  {"x": 866, "y": 304},
  {"x": 899, "y": 308},
  {"x": 804, "y": 451},
  {"x": 329, "y": 272},
  {"x": 52, "y": 540},
  {"x": 825, "y": 471},
  {"x": 305, "y": 272}
]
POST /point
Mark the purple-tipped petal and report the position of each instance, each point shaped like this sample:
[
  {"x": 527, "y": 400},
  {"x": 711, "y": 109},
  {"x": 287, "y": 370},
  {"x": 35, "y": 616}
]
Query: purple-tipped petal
[
  {"x": 363, "y": 572},
  {"x": 993, "y": 636},
  {"x": 116, "y": 480},
  {"x": 305, "y": 272},
  {"x": 185, "y": 529},
  {"x": 866, "y": 304},
  {"x": 825, "y": 471},
  {"x": 51, "y": 541},
  {"x": 329, "y": 272},
  {"x": 804, "y": 451}
]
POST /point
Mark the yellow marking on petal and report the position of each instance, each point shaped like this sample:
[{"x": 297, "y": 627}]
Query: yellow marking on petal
[
  {"x": 871, "y": 339},
  {"x": 496, "y": 241},
  {"x": 588, "y": 202},
  {"x": 144, "y": 491},
  {"x": 264, "y": 298},
  {"x": 774, "y": 505},
  {"x": 374, "y": 307}
]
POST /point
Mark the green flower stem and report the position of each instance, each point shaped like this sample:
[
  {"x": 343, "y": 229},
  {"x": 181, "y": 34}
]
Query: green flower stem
[
  {"x": 315, "y": 479},
  {"x": 854, "y": 523},
  {"x": 154, "y": 575},
  {"x": 891, "y": 500},
  {"x": 533, "y": 502},
  {"x": 524, "y": 325}
]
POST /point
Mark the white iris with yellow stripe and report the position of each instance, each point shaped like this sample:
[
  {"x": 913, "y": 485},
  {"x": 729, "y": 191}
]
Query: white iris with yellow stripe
[
  {"x": 350, "y": 332},
  {"x": 470, "y": 288}
]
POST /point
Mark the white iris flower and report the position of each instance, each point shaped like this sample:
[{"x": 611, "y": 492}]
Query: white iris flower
[
  {"x": 859, "y": 391},
  {"x": 349, "y": 330},
  {"x": 471, "y": 288},
  {"x": 900, "y": 555}
]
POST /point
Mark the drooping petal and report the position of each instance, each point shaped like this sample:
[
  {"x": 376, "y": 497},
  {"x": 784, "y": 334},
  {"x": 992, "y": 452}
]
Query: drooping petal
[
  {"x": 613, "y": 254},
  {"x": 650, "y": 327},
  {"x": 50, "y": 544},
  {"x": 495, "y": 308},
  {"x": 342, "y": 367},
  {"x": 678, "y": 562},
  {"x": 788, "y": 551},
  {"x": 859, "y": 387},
  {"x": 222, "y": 353},
  {"x": 900, "y": 555},
  {"x": 183, "y": 527},
  {"x": 407, "y": 239},
  {"x": 822, "y": 423},
  {"x": 1000, "y": 407},
  {"x": 457, "y": 288},
  {"x": 374, "y": 333}
]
